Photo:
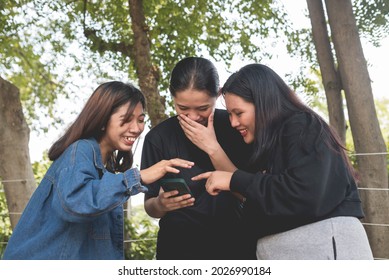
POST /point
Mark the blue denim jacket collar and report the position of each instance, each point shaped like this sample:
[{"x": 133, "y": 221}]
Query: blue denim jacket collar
[{"x": 97, "y": 157}]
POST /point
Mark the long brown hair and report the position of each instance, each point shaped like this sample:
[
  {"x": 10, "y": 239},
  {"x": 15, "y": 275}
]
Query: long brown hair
[{"x": 92, "y": 120}]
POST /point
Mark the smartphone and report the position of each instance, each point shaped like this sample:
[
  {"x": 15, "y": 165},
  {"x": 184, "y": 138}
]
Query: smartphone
[{"x": 178, "y": 184}]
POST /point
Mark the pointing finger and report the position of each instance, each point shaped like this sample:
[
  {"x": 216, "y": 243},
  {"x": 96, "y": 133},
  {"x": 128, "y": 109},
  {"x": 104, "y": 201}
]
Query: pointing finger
[{"x": 201, "y": 176}]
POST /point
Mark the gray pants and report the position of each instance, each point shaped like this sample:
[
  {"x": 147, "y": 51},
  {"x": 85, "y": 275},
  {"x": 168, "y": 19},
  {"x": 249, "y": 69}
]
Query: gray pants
[{"x": 339, "y": 238}]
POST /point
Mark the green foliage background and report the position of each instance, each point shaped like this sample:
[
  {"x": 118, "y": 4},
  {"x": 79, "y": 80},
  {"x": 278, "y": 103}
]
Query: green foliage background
[{"x": 141, "y": 231}]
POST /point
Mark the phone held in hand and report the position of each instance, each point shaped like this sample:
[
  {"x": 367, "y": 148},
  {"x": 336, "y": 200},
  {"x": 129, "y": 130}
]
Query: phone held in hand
[{"x": 178, "y": 184}]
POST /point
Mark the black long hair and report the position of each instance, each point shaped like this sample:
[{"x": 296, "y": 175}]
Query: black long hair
[
  {"x": 274, "y": 102},
  {"x": 194, "y": 73},
  {"x": 104, "y": 101}
]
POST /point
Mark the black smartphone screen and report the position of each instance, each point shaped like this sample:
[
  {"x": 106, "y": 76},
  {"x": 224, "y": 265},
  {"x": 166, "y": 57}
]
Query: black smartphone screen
[{"x": 175, "y": 184}]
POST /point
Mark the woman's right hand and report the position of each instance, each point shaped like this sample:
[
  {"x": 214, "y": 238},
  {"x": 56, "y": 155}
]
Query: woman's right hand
[
  {"x": 167, "y": 201},
  {"x": 217, "y": 181},
  {"x": 158, "y": 170},
  {"x": 203, "y": 137},
  {"x": 158, "y": 206}
]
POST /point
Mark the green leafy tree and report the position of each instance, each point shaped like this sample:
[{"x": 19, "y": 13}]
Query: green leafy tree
[
  {"x": 25, "y": 60},
  {"x": 344, "y": 68},
  {"x": 144, "y": 39},
  {"x": 372, "y": 20},
  {"x": 28, "y": 89}
]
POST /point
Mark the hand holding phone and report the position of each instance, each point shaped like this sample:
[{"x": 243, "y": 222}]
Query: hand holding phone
[{"x": 178, "y": 184}]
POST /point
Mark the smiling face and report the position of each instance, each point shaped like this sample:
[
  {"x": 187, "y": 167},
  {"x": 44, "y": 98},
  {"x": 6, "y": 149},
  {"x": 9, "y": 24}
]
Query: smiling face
[
  {"x": 121, "y": 135},
  {"x": 242, "y": 116},
  {"x": 196, "y": 105}
]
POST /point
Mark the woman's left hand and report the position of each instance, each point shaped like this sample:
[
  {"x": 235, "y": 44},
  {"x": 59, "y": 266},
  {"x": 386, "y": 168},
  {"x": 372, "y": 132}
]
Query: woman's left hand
[
  {"x": 158, "y": 170},
  {"x": 217, "y": 181},
  {"x": 202, "y": 136}
]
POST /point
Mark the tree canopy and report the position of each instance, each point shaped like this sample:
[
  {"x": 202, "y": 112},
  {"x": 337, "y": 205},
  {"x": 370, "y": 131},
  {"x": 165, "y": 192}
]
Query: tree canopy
[{"x": 50, "y": 46}]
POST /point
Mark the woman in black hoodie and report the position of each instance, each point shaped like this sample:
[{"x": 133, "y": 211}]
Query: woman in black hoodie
[{"x": 303, "y": 200}]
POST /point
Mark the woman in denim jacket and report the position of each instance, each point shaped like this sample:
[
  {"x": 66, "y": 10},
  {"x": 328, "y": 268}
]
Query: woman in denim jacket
[{"x": 77, "y": 210}]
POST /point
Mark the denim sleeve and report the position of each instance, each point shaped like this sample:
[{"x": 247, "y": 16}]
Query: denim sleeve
[
  {"x": 82, "y": 195},
  {"x": 132, "y": 177}
]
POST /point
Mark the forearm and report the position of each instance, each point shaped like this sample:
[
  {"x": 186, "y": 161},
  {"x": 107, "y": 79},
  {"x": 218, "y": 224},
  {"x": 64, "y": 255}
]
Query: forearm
[
  {"x": 153, "y": 207},
  {"x": 220, "y": 160}
]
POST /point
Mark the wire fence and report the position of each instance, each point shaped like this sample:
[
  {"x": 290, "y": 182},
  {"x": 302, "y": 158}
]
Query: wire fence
[{"x": 5, "y": 212}]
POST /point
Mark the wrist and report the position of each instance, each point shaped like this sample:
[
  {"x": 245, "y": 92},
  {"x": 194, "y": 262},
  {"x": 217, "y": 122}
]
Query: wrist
[
  {"x": 159, "y": 207},
  {"x": 213, "y": 150}
]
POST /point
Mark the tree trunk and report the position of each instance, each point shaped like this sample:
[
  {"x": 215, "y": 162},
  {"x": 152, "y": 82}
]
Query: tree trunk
[
  {"x": 15, "y": 167},
  {"x": 330, "y": 78},
  {"x": 148, "y": 74},
  {"x": 364, "y": 124}
]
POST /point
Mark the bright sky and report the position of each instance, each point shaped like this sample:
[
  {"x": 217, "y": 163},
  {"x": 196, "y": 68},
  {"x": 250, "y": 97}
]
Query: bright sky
[{"x": 377, "y": 58}]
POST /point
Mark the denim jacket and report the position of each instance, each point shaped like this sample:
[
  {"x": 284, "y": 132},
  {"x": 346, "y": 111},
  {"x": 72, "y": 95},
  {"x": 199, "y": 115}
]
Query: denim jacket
[{"x": 77, "y": 210}]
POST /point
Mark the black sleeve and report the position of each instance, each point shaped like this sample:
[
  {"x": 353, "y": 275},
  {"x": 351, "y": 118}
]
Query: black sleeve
[{"x": 311, "y": 183}]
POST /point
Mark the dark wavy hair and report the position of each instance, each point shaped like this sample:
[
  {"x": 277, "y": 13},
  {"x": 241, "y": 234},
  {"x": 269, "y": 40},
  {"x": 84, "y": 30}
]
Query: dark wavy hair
[
  {"x": 274, "y": 102},
  {"x": 104, "y": 101},
  {"x": 194, "y": 73}
]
